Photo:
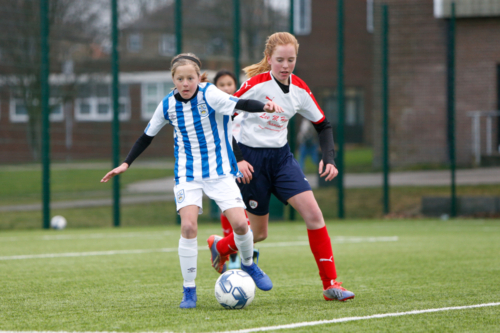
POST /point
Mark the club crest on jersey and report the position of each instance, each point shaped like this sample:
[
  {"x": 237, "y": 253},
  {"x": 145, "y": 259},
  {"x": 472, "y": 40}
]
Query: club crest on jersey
[
  {"x": 202, "y": 108},
  {"x": 253, "y": 204},
  {"x": 180, "y": 196}
]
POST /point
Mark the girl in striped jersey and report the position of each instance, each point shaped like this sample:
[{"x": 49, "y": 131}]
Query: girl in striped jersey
[
  {"x": 204, "y": 162},
  {"x": 263, "y": 143}
]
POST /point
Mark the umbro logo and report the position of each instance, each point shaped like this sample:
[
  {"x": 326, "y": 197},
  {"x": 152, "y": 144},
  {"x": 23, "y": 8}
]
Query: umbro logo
[
  {"x": 330, "y": 260},
  {"x": 238, "y": 199},
  {"x": 191, "y": 270}
]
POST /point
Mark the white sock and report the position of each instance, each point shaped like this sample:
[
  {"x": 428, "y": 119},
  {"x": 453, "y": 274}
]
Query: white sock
[
  {"x": 188, "y": 256},
  {"x": 244, "y": 243}
]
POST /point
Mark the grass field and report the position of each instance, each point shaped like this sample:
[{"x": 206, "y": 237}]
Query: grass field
[{"x": 93, "y": 280}]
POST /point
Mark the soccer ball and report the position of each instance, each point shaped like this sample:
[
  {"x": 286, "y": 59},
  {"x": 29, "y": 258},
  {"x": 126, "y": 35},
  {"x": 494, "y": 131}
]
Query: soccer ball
[
  {"x": 235, "y": 289},
  {"x": 58, "y": 222}
]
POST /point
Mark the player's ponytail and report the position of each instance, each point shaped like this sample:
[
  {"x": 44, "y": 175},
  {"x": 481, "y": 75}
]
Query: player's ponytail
[
  {"x": 278, "y": 38},
  {"x": 188, "y": 59}
]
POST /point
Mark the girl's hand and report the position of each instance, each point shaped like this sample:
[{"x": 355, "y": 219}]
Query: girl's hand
[
  {"x": 116, "y": 171},
  {"x": 271, "y": 107},
  {"x": 246, "y": 169},
  {"x": 330, "y": 171}
]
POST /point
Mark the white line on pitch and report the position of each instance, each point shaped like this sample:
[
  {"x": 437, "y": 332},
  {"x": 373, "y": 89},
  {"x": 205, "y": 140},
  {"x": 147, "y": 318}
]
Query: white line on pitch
[
  {"x": 173, "y": 249},
  {"x": 88, "y": 236},
  {"x": 311, "y": 323},
  {"x": 346, "y": 319}
]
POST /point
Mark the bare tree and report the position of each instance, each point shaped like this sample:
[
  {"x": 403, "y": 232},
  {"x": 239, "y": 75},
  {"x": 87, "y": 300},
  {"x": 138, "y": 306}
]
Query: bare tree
[{"x": 70, "y": 22}]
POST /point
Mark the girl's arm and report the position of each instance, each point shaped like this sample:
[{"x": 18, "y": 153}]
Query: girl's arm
[
  {"x": 325, "y": 133},
  {"x": 139, "y": 146},
  {"x": 252, "y": 105}
]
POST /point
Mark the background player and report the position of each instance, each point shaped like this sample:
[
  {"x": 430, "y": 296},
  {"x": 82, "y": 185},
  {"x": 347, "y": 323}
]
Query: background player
[
  {"x": 263, "y": 142},
  {"x": 204, "y": 162}
]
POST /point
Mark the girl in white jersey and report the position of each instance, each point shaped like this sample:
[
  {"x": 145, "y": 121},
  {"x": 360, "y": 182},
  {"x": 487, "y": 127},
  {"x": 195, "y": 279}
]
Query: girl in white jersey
[
  {"x": 263, "y": 143},
  {"x": 204, "y": 162}
]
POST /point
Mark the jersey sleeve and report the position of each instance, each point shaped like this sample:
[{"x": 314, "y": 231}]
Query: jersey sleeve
[
  {"x": 309, "y": 107},
  {"x": 158, "y": 120},
  {"x": 245, "y": 91},
  {"x": 220, "y": 101}
]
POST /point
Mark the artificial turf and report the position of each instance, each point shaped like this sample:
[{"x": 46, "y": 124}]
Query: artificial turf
[{"x": 423, "y": 264}]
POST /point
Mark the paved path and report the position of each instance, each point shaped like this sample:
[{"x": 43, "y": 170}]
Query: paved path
[
  {"x": 158, "y": 190},
  {"x": 360, "y": 180}
]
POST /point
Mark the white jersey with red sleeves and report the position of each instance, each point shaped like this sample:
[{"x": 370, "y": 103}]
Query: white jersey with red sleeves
[
  {"x": 269, "y": 130},
  {"x": 202, "y": 133}
]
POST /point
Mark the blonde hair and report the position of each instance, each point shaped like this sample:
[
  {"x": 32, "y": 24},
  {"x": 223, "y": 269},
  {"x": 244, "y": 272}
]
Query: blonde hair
[
  {"x": 278, "y": 38},
  {"x": 176, "y": 62}
]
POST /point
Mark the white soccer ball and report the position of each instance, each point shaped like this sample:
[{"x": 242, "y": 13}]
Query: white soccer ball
[
  {"x": 58, "y": 222},
  {"x": 235, "y": 289}
]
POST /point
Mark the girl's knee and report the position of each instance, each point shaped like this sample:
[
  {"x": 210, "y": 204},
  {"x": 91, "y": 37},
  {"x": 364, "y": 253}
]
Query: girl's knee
[
  {"x": 240, "y": 227},
  {"x": 259, "y": 236},
  {"x": 189, "y": 229}
]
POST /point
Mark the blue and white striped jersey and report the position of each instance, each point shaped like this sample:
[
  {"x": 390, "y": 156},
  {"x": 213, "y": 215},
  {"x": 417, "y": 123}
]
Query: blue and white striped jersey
[{"x": 202, "y": 133}]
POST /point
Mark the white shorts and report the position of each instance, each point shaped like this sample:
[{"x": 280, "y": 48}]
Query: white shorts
[{"x": 223, "y": 191}]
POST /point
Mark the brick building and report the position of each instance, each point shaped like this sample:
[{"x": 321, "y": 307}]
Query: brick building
[{"x": 418, "y": 40}]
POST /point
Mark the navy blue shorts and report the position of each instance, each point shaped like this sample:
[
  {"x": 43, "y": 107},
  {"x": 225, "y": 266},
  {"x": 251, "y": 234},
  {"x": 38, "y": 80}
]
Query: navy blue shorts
[{"x": 275, "y": 171}]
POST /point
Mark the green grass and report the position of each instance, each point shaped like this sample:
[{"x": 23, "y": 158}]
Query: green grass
[
  {"x": 357, "y": 159},
  {"x": 434, "y": 264},
  {"x": 24, "y": 187},
  {"x": 359, "y": 203}
]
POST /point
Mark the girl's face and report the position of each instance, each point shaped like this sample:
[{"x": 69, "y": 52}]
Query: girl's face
[
  {"x": 226, "y": 84},
  {"x": 282, "y": 62},
  {"x": 186, "y": 80}
]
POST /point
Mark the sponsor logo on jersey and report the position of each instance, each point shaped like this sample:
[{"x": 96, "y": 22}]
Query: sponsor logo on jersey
[
  {"x": 202, "y": 108},
  {"x": 269, "y": 99},
  {"x": 253, "y": 204},
  {"x": 180, "y": 196}
]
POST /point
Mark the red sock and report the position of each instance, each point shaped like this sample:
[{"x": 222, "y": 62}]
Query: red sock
[
  {"x": 226, "y": 226},
  {"x": 227, "y": 245},
  {"x": 321, "y": 248}
]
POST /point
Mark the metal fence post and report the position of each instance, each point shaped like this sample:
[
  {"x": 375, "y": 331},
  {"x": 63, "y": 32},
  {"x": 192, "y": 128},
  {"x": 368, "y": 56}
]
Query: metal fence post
[
  {"x": 116, "y": 110},
  {"x": 45, "y": 95},
  {"x": 451, "y": 106},
  {"x": 385, "y": 105},
  {"x": 292, "y": 130},
  {"x": 178, "y": 25},
  {"x": 340, "y": 96},
  {"x": 236, "y": 40},
  {"x": 178, "y": 41}
]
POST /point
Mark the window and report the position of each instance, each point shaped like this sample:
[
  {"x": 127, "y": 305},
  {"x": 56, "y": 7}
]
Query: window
[
  {"x": 353, "y": 111},
  {"x": 369, "y": 16},
  {"x": 152, "y": 94},
  {"x": 94, "y": 103},
  {"x": 134, "y": 42},
  {"x": 167, "y": 45},
  {"x": 302, "y": 17},
  {"x": 18, "y": 112}
]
